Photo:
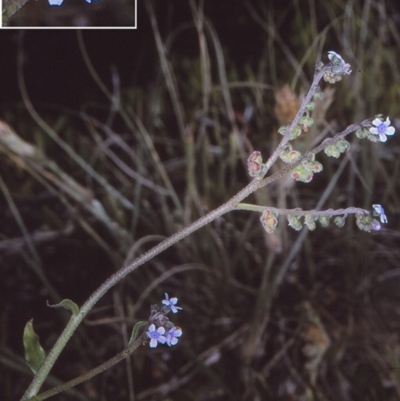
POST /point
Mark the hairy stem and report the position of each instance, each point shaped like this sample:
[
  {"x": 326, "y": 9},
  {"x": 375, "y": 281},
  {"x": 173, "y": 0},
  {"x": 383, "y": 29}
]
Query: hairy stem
[
  {"x": 230, "y": 205},
  {"x": 94, "y": 372}
]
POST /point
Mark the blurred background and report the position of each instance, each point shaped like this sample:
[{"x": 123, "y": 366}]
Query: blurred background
[{"x": 111, "y": 141}]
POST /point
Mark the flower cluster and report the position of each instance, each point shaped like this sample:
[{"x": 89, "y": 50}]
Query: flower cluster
[
  {"x": 337, "y": 148},
  {"x": 161, "y": 330},
  {"x": 255, "y": 164},
  {"x": 289, "y": 155},
  {"x": 339, "y": 68},
  {"x": 376, "y": 130},
  {"x": 305, "y": 170},
  {"x": 364, "y": 220}
]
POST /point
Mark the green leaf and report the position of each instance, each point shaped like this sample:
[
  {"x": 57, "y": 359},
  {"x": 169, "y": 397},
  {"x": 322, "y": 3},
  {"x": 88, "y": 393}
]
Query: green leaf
[
  {"x": 34, "y": 353},
  {"x": 67, "y": 304},
  {"x": 135, "y": 331}
]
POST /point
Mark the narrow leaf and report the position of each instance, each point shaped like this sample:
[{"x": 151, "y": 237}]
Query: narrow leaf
[
  {"x": 34, "y": 353},
  {"x": 67, "y": 304},
  {"x": 135, "y": 331}
]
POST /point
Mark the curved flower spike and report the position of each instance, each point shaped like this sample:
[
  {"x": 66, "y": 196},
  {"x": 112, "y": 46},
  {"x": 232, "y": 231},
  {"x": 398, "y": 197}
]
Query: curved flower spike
[{"x": 382, "y": 128}]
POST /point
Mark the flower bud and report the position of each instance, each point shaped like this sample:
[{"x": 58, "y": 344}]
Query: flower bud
[
  {"x": 289, "y": 155},
  {"x": 324, "y": 220},
  {"x": 294, "y": 222},
  {"x": 309, "y": 221},
  {"x": 363, "y": 222},
  {"x": 340, "y": 220},
  {"x": 254, "y": 164},
  {"x": 269, "y": 221},
  {"x": 301, "y": 174}
]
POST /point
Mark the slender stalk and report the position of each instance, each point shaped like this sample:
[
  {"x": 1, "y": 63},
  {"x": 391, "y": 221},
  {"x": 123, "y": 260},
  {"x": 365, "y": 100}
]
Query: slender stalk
[
  {"x": 94, "y": 372},
  {"x": 301, "y": 212},
  {"x": 119, "y": 275}
]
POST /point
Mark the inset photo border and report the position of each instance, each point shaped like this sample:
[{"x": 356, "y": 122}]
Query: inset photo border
[{"x": 69, "y": 14}]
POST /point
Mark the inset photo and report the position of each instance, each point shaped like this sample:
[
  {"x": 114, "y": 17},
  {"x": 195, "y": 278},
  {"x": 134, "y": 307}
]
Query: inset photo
[{"x": 69, "y": 13}]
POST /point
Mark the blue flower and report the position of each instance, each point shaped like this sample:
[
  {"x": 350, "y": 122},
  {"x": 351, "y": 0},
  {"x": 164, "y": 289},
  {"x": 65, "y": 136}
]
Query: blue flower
[
  {"x": 380, "y": 212},
  {"x": 170, "y": 303},
  {"x": 55, "y": 2},
  {"x": 172, "y": 335},
  {"x": 335, "y": 58},
  {"x": 156, "y": 336},
  {"x": 339, "y": 65},
  {"x": 382, "y": 128}
]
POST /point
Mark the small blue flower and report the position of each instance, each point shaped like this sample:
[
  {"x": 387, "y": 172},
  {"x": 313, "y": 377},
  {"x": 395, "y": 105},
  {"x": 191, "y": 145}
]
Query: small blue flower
[
  {"x": 380, "y": 212},
  {"x": 339, "y": 65},
  {"x": 156, "y": 336},
  {"x": 170, "y": 303},
  {"x": 172, "y": 335},
  {"x": 55, "y": 2},
  {"x": 382, "y": 128},
  {"x": 335, "y": 58}
]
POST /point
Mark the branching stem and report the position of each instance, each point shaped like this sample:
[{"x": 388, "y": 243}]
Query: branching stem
[{"x": 232, "y": 204}]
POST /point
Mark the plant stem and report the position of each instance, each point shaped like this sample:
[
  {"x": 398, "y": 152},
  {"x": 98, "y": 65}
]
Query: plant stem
[
  {"x": 288, "y": 134},
  {"x": 230, "y": 205},
  {"x": 119, "y": 275},
  {"x": 94, "y": 372},
  {"x": 301, "y": 212}
]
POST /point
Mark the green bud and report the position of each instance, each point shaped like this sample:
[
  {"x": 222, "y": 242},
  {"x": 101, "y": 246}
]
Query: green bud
[
  {"x": 282, "y": 130},
  {"x": 310, "y": 106},
  {"x": 296, "y": 132},
  {"x": 294, "y": 222},
  {"x": 332, "y": 151},
  {"x": 362, "y": 133},
  {"x": 301, "y": 174},
  {"x": 318, "y": 95},
  {"x": 372, "y": 138},
  {"x": 309, "y": 221},
  {"x": 363, "y": 222},
  {"x": 331, "y": 77},
  {"x": 324, "y": 220},
  {"x": 306, "y": 121},
  {"x": 319, "y": 66},
  {"x": 342, "y": 146},
  {"x": 289, "y": 155},
  {"x": 340, "y": 220},
  {"x": 312, "y": 166}
]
